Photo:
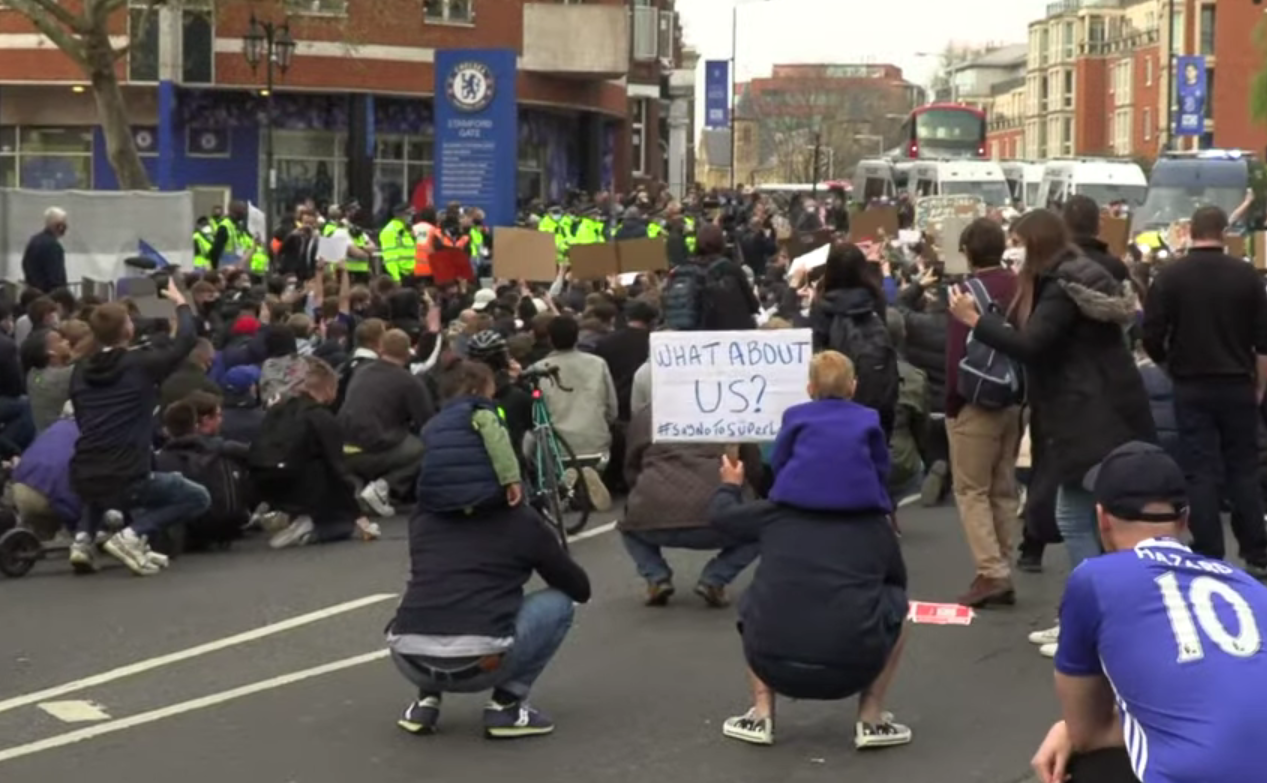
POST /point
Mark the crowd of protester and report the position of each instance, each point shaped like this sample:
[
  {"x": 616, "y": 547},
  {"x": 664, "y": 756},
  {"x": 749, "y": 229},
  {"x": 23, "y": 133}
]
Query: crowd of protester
[{"x": 303, "y": 405}]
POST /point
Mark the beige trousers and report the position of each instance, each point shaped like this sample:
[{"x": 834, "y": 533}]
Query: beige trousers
[{"x": 983, "y": 447}]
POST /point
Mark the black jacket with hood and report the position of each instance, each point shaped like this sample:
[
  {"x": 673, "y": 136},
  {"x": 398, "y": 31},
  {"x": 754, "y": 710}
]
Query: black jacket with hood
[
  {"x": 840, "y": 302},
  {"x": 115, "y": 394},
  {"x": 1085, "y": 392},
  {"x": 926, "y": 329}
]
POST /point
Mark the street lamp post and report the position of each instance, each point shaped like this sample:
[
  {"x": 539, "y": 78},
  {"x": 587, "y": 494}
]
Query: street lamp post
[
  {"x": 734, "y": 75},
  {"x": 272, "y": 44}
]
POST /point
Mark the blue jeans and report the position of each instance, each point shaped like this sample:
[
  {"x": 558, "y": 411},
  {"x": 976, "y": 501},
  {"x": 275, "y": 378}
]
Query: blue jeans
[
  {"x": 644, "y": 547},
  {"x": 1075, "y": 517},
  {"x": 162, "y": 500},
  {"x": 543, "y": 622}
]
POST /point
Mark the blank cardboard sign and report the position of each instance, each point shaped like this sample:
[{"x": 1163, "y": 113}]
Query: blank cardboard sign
[
  {"x": 594, "y": 261},
  {"x": 955, "y": 262},
  {"x": 867, "y": 224},
  {"x": 524, "y": 254},
  {"x": 643, "y": 255},
  {"x": 1115, "y": 232}
]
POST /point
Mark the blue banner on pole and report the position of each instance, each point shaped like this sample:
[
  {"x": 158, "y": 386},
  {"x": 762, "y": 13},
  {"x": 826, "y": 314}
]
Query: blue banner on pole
[
  {"x": 477, "y": 131},
  {"x": 717, "y": 94},
  {"x": 1193, "y": 93}
]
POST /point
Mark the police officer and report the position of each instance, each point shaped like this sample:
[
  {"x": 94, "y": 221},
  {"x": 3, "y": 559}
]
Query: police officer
[
  {"x": 397, "y": 243},
  {"x": 231, "y": 238},
  {"x": 203, "y": 238}
]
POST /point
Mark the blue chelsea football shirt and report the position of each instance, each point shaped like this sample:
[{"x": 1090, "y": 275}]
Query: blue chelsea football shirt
[{"x": 1179, "y": 637}]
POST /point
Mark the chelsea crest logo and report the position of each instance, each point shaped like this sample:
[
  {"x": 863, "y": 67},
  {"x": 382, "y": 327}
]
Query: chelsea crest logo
[{"x": 470, "y": 86}]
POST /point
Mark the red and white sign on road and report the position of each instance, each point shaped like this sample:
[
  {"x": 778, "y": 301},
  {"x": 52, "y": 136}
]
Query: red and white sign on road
[{"x": 939, "y": 614}]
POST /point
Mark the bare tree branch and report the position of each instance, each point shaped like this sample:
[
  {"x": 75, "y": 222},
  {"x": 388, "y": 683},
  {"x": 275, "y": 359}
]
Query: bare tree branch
[
  {"x": 53, "y": 9},
  {"x": 50, "y": 24}
]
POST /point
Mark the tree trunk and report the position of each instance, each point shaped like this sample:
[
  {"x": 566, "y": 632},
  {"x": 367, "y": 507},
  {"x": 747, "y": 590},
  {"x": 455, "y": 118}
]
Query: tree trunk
[{"x": 113, "y": 115}]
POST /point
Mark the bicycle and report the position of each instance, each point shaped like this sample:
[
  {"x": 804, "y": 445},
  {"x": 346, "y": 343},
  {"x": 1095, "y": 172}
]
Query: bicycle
[{"x": 551, "y": 494}]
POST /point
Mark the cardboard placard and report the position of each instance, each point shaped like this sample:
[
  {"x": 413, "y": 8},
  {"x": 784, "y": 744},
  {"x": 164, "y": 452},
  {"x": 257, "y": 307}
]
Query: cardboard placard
[
  {"x": 1235, "y": 245},
  {"x": 450, "y": 265},
  {"x": 525, "y": 254},
  {"x": 952, "y": 258},
  {"x": 594, "y": 261},
  {"x": 1260, "y": 250},
  {"x": 642, "y": 255},
  {"x": 1179, "y": 237},
  {"x": 1115, "y": 232},
  {"x": 930, "y": 211},
  {"x": 865, "y": 226}
]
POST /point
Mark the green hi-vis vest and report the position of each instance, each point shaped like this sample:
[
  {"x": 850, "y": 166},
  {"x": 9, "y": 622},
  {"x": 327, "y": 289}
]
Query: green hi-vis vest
[
  {"x": 202, "y": 251},
  {"x": 654, "y": 230},
  {"x": 548, "y": 223},
  {"x": 477, "y": 242},
  {"x": 396, "y": 241},
  {"x": 589, "y": 232},
  {"x": 328, "y": 228},
  {"x": 689, "y": 223},
  {"x": 260, "y": 261}
]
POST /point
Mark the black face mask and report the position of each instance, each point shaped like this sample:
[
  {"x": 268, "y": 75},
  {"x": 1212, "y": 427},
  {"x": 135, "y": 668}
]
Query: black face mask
[{"x": 477, "y": 222}]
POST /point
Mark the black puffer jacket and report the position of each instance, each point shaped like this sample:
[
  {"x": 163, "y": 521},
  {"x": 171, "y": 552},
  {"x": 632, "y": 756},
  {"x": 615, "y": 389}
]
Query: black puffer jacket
[
  {"x": 1086, "y": 395},
  {"x": 926, "y": 340},
  {"x": 839, "y": 301}
]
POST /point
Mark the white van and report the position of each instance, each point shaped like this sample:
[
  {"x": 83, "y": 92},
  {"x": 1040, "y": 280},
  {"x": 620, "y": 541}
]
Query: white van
[
  {"x": 1105, "y": 181},
  {"x": 1024, "y": 180},
  {"x": 873, "y": 179},
  {"x": 982, "y": 178}
]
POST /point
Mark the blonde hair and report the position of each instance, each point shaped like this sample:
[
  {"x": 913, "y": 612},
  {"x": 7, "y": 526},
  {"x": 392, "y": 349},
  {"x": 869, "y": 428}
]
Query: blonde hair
[
  {"x": 776, "y": 322},
  {"x": 831, "y": 376}
]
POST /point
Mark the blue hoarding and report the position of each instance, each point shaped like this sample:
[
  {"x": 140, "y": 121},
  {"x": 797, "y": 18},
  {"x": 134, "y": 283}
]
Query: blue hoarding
[
  {"x": 1193, "y": 93},
  {"x": 476, "y": 131},
  {"x": 717, "y": 94}
]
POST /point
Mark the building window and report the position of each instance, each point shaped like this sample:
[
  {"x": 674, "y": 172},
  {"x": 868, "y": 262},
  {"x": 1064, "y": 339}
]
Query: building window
[
  {"x": 1209, "y": 93},
  {"x": 46, "y": 158},
  {"x": 1067, "y": 38},
  {"x": 1148, "y": 123},
  {"x": 143, "y": 46},
  {"x": 1148, "y": 71},
  {"x": 449, "y": 11},
  {"x": 1043, "y": 46},
  {"x": 1066, "y": 136},
  {"x": 197, "y": 42},
  {"x": 1207, "y": 29},
  {"x": 531, "y": 181},
  {"x": 401, "y": 165},
  {"x": 318, "y": 7},
  {"x": 1122, "y": 131},
  {"x": 646, "y": 32},
  {"x": 310, "y": 165},
  {"x": 1068, "y": 92},
  {"x": 638, "y": 136}
]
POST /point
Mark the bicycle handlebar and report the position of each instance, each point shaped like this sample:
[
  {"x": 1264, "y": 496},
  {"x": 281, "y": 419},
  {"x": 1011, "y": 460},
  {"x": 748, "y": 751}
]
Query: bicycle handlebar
[{"x": 550, "y": 373}]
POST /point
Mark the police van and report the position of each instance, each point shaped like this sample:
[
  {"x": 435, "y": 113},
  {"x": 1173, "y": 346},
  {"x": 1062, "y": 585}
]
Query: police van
[
  {"x": 983, "y": 178},
  {"x": 1103, "y": 180},
  {"x": 1024, "y": 180},
  {"x": 1183, "y": 181},
  {"x": 874, "y": 178}
]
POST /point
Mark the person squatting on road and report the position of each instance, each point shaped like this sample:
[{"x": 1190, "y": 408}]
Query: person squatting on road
[
  {"x": 823, "y": 618},
  {"x": 465, "y": 625}
]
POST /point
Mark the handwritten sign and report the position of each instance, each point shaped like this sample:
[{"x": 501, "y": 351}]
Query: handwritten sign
[
  {"x": 1179, "y": 236},
  {"x": 718, "y": 387},
  {"x": 930, "y": 211}
]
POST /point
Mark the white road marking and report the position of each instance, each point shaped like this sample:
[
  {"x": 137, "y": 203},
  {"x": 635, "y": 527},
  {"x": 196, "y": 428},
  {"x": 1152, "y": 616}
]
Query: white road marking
[
  {"x": 131, "y": 669},
  {"x": 598, "y": 531},
  {"x": 122, "y": 724},
  {"x": 908, "y": 500},
  {"x": 75, "y": 711}
]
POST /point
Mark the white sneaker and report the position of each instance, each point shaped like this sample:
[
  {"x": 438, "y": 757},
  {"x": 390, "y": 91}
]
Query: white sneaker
[
  {"x": 155, "y": 558},
  {"x": 130, "y": 549},
  {"x": 749, "y": 728},
  {"x": 368, "y": 531},
  {"x": 298, "y": 533},
  {"x": 1045, "y": 636},
  {"x": 83, "y": 554},
  {"x": 1048, "y": 650},
  {"x": 377, "y": 495},
  {"x": 600, "y": 499},
  {"x": 880, "y": 735}
]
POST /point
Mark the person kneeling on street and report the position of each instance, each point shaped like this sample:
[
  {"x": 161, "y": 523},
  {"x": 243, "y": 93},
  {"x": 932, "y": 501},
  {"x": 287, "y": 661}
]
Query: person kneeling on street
[
  {"x": 465, "y": 625},
  {"x": 114, "y": 391},
  {"x": 823, "y": 618},
  {"x": 195, "y": 450},
  {"x": 41, "y": 481},
  {"x": 298, "y": 468}
]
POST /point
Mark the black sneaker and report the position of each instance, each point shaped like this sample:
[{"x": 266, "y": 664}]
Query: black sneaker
[
  {"x": 513, "y": 721},
  {"x": 421, "y": 716},
  {"x": 1030, "y": 564},
  {"x": 659, "y": 593}
]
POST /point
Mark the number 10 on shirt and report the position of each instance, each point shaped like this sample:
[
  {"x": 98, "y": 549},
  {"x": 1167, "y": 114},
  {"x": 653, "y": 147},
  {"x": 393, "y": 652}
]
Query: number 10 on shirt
[{"x": 1197, "y": 609}]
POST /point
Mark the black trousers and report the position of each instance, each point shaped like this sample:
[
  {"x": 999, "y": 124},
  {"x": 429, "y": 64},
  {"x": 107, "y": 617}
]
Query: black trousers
[
  {"x": 1218, "y": 431},
  {"x": 1110, "y": 765}
]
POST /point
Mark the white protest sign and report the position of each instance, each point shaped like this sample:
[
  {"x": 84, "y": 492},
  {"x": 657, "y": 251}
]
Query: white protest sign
[
  {"x": 256, "y": 223},
  {"x": 811, "y": 260},
  {"x": 930, "y": 211},
  {"x": 334, "y": 248},
  {"x": 724, "y": 387}
]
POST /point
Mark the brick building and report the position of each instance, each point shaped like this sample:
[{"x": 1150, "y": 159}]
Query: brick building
[
  {"x": 590, "y": 84},
  {"x": 1096, "y": 77}
]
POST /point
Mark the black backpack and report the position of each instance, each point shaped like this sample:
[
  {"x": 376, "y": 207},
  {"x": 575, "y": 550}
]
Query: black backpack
[
  {"x": 345, "y": 372},
  {"x": 683, "y": 297},
  {"x": 987, "y": 378},
  {"x": 282, "y": 443},
  {"x": 863, "y": 336},
  {"x": 225, "y": 480}
]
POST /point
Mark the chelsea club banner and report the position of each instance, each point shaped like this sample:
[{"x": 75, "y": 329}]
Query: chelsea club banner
[{"x": 477, "y": 131}]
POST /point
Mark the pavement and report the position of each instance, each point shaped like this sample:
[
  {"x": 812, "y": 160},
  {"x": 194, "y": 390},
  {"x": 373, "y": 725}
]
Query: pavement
[{"x": 268, "y": 667}]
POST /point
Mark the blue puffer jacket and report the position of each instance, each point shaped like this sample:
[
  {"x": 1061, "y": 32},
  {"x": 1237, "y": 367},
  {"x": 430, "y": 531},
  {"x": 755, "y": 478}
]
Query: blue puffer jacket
[
  {"x": 456, "y": 474},
  {"x": 1161, "y": 401}
]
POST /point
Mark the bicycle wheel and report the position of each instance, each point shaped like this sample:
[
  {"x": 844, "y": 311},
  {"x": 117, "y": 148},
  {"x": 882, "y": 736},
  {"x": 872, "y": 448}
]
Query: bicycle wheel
[
  {"x": 575, "y": 499},
  {"x": 552, "y": 502}
]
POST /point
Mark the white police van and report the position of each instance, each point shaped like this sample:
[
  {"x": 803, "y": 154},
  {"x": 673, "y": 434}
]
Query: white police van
[
  {"x": 983, "y": 178},
  {"x": 1104, "y": 180}
]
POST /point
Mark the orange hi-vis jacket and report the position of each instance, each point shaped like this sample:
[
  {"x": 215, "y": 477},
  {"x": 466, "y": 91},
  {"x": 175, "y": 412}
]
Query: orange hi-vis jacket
[{"x": 426, "y": 235}]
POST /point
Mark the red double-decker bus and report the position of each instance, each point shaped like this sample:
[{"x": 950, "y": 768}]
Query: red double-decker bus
[{"x": 944, "y": 130}]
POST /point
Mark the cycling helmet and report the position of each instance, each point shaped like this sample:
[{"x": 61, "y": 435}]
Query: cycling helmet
[{"x": 488, "y": 344}]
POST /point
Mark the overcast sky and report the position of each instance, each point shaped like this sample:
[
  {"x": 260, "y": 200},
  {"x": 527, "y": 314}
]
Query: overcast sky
[{"x": 848, "y": 31}]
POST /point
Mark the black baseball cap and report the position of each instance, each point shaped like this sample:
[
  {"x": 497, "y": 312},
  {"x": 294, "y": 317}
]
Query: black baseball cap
[{"x": 1135, "y": 475}]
